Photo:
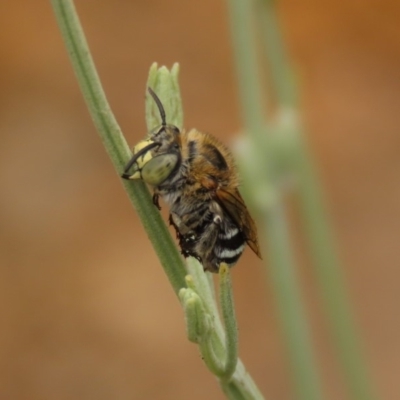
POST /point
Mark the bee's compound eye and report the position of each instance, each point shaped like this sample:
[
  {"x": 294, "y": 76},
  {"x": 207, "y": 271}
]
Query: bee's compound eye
[{"x": 159, "y": 168}]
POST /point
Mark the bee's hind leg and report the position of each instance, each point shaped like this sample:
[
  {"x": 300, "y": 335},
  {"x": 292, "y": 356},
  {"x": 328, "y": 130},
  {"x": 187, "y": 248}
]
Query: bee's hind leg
[{"x": 156, "y": 198}]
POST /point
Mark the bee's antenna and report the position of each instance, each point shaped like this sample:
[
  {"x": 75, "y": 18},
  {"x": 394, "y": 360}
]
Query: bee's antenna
[{"x": 159, "y": 106}]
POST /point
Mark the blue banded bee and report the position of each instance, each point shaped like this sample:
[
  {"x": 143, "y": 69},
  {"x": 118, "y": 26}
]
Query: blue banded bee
[{"x": 195, "y": 175}]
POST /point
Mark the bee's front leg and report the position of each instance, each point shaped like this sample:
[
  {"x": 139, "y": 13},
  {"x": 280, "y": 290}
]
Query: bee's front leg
[{"x": 156, "y": 200}]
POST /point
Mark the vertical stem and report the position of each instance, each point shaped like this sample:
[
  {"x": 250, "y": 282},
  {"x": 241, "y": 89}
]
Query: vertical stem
[
  {"x": 326, "y": 263},
  {"x": 240, "y": 385},
  {"x": 282, "y": 266},
  {"x": 332, "y": 288},
  {"x": 229, "y": 318},
  {"x": 250, "y": 89},
  {"x": 291, "y": 309},
  {"x": 282, "y": 79}
]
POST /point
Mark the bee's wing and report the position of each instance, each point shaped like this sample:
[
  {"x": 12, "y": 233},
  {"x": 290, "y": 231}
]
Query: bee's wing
[{"x": 233, "y": 204}]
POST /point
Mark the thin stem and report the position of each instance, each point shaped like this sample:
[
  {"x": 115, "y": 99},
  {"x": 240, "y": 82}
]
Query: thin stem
[
  {"x": 282, "y": 268},
  {"x": 291, "y": 308},
  {"x": 202, "y": 285},
  {"x": 250, "y": 89},
  {"x": 114, "y": 142},
  {"x": 326, "y": 262},
  {"x": 229, "y": 318},
  {"x": 240, "y": 385},
  {"x": 220, "y": 359},
  {"x": 282, "y": 79},
  {"x": 332, "y": 288}
]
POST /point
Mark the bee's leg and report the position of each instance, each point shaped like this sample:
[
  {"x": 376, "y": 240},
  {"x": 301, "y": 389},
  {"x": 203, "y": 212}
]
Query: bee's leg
[
  {"x": 186, "y": 241},
  {"x": 178, "y": 235},
  {"x": 206, "y": 247},
  {"x": 172, "y": 222},
  {"x": 185, "y": 253},
  {"x": 156, "y": 200},
  {"x": 189, "y": 253}
]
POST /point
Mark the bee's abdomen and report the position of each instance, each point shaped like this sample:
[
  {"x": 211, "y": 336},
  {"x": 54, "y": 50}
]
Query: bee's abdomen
[{"x": 229, "y": 245}]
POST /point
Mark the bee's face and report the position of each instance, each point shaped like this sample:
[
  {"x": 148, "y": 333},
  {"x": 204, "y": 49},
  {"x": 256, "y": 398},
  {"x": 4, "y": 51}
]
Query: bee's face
[
  {"x": 167, "y": 136},
  {"x": 156, "y": 157}
]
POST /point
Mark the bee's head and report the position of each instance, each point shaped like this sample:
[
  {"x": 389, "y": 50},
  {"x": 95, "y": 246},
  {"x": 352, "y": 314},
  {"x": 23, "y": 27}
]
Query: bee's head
[{"x": 157, "y": 156}]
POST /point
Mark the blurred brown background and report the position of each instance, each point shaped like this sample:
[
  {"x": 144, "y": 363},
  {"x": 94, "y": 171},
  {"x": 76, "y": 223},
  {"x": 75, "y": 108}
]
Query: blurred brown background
[{"x": 86, "y": 311}]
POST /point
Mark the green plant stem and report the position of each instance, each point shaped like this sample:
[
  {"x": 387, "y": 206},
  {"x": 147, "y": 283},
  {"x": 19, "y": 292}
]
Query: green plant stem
[
  {"x": 282, "y": 268},
  {"x": 114, "y": 142},
  {"x": 291, "y": 309},
  {"x": 228, "y": 315},
  {"x": 331, "y": 282},
  {"x": 250, "y": 89},
  {"x": 281, "y": 74},
  {"x": 239, "y": 385},
  {"x": 326, "y": 262}
]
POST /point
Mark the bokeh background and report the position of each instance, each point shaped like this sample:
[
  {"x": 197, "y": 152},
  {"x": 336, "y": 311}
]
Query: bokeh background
[{"x": 85, "y": 309}]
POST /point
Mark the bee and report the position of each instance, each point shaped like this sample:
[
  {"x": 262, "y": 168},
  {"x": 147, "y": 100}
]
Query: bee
[{"x": 195, "y": 175}]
